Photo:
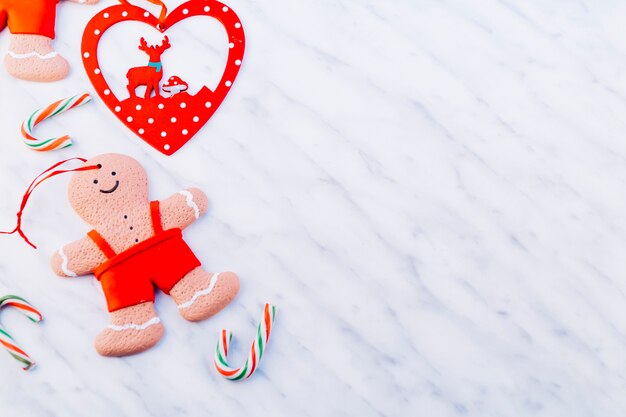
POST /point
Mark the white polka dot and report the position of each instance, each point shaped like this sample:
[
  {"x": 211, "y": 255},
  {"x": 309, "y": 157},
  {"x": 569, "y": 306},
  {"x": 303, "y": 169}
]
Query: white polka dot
[
  {"x": 86, "y": 54},
  {"x": 207, "y": 104},
  {"x": 237, "y": 25},
  {"x": 166, "y": 147},
  {"x": 185, "y": 131},
  {"x": 228, "y": 83},
  {"x": 118, "y": 109},
  {"x": 173, "y": 119},
  {"x": 196, "y": 119},
  {"x": 96, "y": 32},
  {"x": 161, "y": 106},
  {"x": 207, "y": 8},
  {"x": 185, "y": 11},
  {"x": 183, "y": 105},
  {"x": 138, "y": 107},
  {"x": 107, "y": 92},
  {"x": 141, "y": 131},
  {"x": 130, "y": 119},
  {"x": 124, "y": 14},
  {"x": 224, "y": 9},
  {"x": 231, "y": 45},
  {"x": 96, "y": 71},
  {"x": 163, "y": 134},
  {"x": 238, "y": 62},
  {"x": 146, "y": 14},
  {"x": 106, "y": 15},
  {"x": 151, "y": 120}
]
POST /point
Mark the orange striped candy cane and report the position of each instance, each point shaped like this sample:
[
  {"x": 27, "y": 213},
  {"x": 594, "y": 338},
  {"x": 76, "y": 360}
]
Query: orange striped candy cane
[
  {"x": 256, "y": 351},
  {"x": 5, "y": 338},
  {"x": 58, "y": 107}
]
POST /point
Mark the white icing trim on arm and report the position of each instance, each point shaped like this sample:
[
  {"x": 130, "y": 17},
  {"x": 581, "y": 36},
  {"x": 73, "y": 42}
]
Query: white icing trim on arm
[
  {"x": 189, "y": 199},
  {"x": 64, "y": 264},
  {"x": 49, "y": 55},
  {"x": 200, "y": 293},
  {"x": 152, "y": 321}
]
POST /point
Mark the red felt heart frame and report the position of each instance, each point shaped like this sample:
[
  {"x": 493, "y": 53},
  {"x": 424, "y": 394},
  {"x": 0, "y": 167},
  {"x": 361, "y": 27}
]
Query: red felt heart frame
[{"x": 164, "y": 123}]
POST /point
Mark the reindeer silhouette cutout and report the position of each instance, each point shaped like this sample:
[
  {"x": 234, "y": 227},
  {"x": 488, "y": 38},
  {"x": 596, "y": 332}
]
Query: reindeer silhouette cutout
[{"x": 151, "y": 74}]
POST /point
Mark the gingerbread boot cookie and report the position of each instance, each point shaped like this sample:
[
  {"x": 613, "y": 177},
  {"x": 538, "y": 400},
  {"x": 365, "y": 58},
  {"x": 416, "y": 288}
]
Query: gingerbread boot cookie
[
  {"x": 32, "y": 25},
  {"x": 32, "y": 58},
  {"x": 132, "y": 330},
  {"x": 200, "y": 294}
]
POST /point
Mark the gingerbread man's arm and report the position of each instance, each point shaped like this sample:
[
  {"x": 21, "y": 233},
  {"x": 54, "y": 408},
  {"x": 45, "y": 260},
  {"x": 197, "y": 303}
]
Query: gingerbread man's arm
[
  {"x": 77, "y": 258},
  {"x": 183, "y": 208}
]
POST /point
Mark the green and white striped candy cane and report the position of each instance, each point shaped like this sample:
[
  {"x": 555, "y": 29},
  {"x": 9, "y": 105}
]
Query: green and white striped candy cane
[
  {"x": 256, "y": 352},
  {"x": 51, "y": 110},
  {"x": 7, "y": 340}
]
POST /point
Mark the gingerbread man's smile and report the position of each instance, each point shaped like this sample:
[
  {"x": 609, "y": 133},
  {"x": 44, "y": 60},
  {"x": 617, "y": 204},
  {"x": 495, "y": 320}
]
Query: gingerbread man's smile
[{"x": 117, "y": 184}]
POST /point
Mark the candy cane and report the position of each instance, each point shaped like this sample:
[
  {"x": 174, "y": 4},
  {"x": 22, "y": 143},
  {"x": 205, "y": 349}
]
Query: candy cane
[
  {"x": 40, "y": 115},
  {"x": 5, "y": 338},
  {"x": 256, "y": 352}
]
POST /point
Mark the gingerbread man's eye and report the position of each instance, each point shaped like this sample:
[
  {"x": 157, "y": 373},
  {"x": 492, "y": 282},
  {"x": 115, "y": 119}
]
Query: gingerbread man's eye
[
  {"x": 114, "y": 173},
  {"x": 95, "y": 181}
]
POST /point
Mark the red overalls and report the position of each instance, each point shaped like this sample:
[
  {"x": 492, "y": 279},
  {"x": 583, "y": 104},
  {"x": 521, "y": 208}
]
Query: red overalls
[
  {"x": 128, "y": 278},
  {"x": 29, "y": 17}
]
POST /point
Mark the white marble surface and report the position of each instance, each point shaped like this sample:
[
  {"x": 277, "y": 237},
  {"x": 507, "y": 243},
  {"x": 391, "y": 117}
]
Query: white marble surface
[{"x": 432, "y": 192}]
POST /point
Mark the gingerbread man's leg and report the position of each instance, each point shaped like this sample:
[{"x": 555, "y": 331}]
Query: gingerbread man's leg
[
  {"x": 201, "y": 294},
  {"x": 132, "y": 330}
]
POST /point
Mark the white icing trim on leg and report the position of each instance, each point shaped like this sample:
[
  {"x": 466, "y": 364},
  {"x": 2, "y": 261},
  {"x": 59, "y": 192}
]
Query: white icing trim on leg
[
  {"x": 49, "y": 55},
  {"x": 152, "y": 321},
  {"x": 200, "y": 293},
  {"x": 64, "y": 263},
  {"x": 189, "y": 199}
]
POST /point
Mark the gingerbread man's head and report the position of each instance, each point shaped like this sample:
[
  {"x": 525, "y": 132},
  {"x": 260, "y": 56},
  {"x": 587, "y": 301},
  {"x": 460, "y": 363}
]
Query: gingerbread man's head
[{"x": 119, "y": 183}]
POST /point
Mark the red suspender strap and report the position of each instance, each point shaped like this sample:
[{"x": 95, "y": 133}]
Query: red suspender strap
[
  {"x": 102, "y": 244},
  {"x": 155, "y": 214},
  {"x": 107, "y": 250}
]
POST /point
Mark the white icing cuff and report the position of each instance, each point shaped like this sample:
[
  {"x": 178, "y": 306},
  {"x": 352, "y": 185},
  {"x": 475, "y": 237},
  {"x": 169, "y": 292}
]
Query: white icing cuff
[
  {"x": 49, "y": 55},
  {"x": 189, "y": 199},
  {"x": 200, "y": 293},
  {"x": 152, "y": 321},
  {"x": 64, "y": 262}
]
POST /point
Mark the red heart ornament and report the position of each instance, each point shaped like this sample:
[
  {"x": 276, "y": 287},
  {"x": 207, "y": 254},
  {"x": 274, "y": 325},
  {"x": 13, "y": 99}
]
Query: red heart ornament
[{"x": 166, "y": 123}]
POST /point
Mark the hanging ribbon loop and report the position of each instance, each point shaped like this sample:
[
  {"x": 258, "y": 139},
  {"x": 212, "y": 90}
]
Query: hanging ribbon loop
[
  {"x": 48, "y": 173},
  {"x": 158, "y": 3}
]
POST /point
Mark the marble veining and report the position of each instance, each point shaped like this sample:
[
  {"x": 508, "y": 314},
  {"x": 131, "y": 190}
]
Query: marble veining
[{"x": 431, "y": 192}]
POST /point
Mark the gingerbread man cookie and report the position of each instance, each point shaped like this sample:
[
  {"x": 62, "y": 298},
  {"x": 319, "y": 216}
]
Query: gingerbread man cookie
[
  {"x": 31, "y": 23},
  {"x": 134, "y": 246}
]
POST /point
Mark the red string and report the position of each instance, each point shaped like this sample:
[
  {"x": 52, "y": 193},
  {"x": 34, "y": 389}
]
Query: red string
[
  {"x": 48, "y": 173},
  {"x": 158, "y": 3}
]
